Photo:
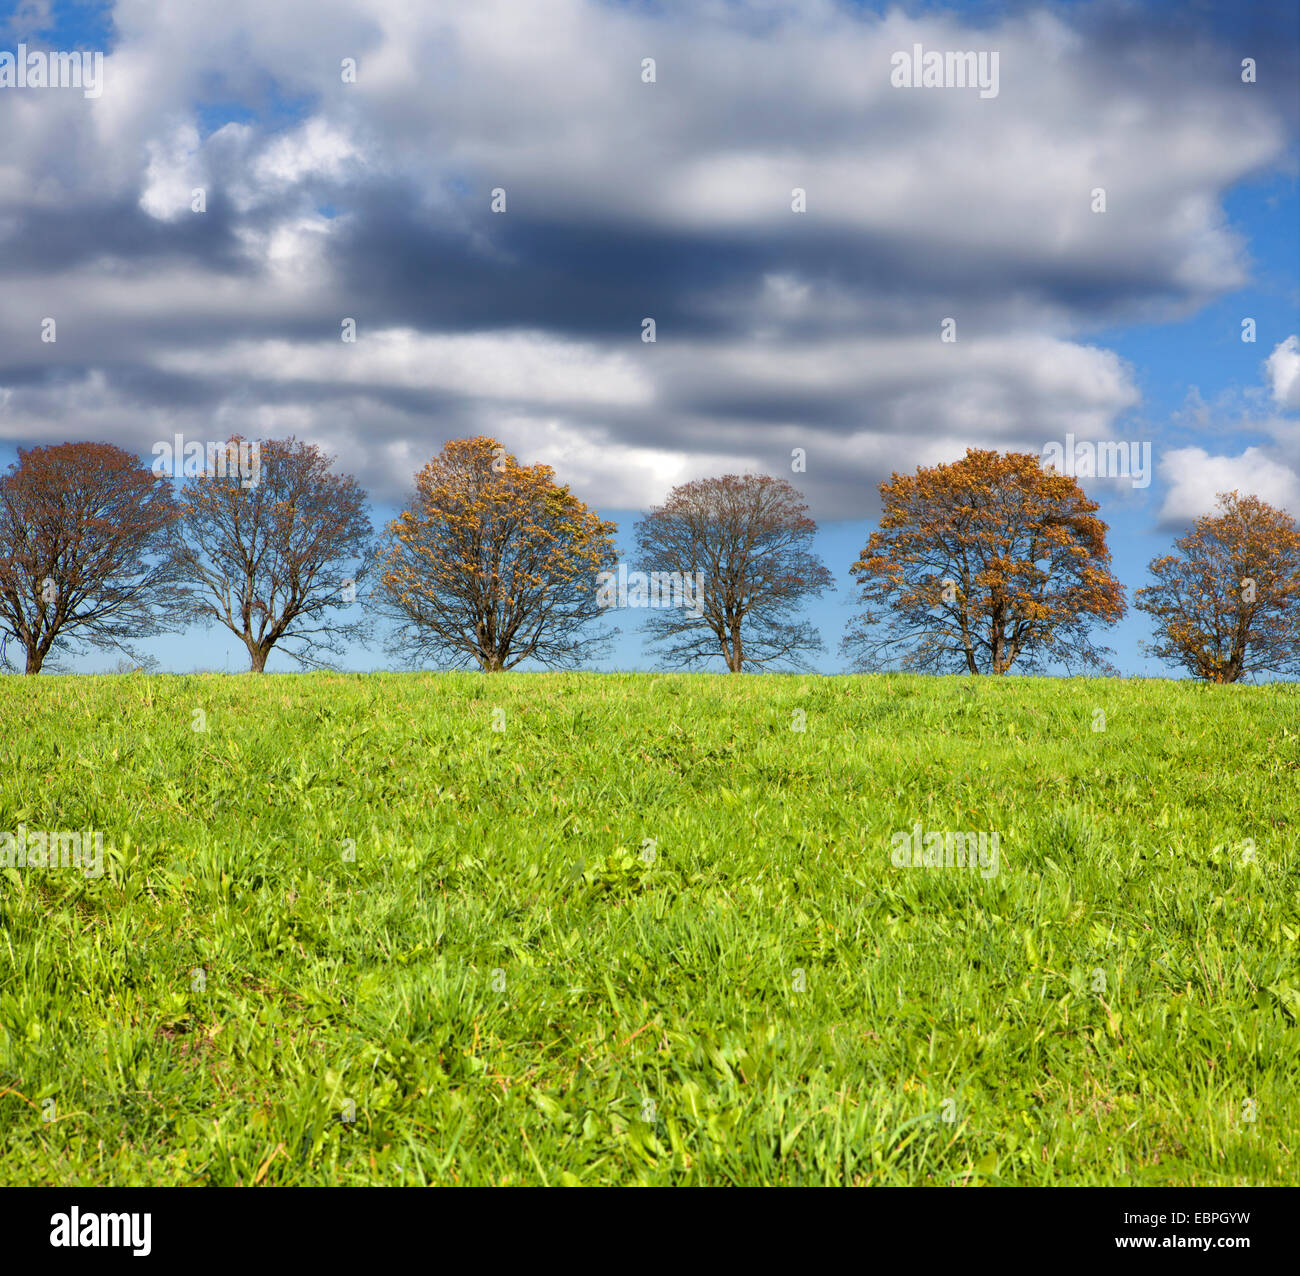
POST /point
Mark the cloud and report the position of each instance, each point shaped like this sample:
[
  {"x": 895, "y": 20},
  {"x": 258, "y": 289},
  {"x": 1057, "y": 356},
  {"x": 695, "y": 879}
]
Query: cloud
[
  {"x": 1196, "y": 478},
  {"x": 1269, "y": 470},
  {"x": 1284, "y": 373},
  {"x": 175, "y": 169},
  {"x": 625, "y": 200}
]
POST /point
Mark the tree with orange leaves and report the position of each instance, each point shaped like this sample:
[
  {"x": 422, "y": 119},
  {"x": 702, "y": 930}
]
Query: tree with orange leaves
[
  {"x": 83, "y": 551},
  {"x": 495, "y": 563},
  {"x": 1227, "y": 603},
  {"x": 990, "y": 562}
]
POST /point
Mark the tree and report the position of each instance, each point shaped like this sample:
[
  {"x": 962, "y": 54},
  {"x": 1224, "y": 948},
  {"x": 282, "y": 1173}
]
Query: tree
[
  {"x": 1227, "y": 603},
  {"x": 495, "y": 563},
  {"x": 83, "y": 529},
  {"x": 276, "y": 556},
  {"x": 747, "y": 541},
  {"x": 983, "y": 563}
]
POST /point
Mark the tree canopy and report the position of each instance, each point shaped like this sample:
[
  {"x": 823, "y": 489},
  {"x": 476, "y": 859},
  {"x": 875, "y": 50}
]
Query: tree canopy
[
  {"x": 277, "y": 561},
  {"x": 987, "y": 563},
  {"x": 83, "y": 530},
  {"x": 495, "y": 563},
  {"x": 749, "y": 539},
  {"x": 1227, "y": 602}
]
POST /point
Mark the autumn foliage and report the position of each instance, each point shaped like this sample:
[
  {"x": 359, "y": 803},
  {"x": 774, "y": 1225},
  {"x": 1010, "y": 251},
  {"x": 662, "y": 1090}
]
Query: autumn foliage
[
  {"x": 82, "y": 551},
  {"x": 1227, "y": 602},
  {"x": 989, "y": 563},
  {"x": 495, "y": 563}
]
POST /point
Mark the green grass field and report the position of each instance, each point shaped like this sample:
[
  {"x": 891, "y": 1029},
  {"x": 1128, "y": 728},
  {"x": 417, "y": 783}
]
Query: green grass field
[{"x": 650, "y": 931}]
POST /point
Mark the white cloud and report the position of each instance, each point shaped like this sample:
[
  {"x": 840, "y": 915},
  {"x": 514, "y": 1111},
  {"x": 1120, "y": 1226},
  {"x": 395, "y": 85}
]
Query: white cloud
[
  {"x": 1284, "y": 373},
  {"x": 317, "y": 149},
  {"x": 506, "y": 366},
  {"x": 175, "y": 170},
  {"x": 1196, "y": 478},
  {"x": 1270, "y": 470}
]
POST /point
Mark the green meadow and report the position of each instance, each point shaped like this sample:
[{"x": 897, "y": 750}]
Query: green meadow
[{"x": 614, "y": 929}]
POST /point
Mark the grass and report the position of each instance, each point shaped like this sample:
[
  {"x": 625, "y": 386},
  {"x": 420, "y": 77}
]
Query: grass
[{"x": 649, "y": 931}]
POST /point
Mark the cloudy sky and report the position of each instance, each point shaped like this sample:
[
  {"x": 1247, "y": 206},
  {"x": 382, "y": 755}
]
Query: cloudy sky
[{"x": 666, "y": 194}]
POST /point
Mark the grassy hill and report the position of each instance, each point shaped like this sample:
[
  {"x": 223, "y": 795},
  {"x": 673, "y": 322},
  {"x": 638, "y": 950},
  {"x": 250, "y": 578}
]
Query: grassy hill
[{"x": 604, "y": 929}]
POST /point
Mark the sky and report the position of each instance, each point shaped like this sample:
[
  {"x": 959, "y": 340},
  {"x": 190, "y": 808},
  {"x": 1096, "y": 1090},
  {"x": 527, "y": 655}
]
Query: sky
[{"x": 667, "y": 191}]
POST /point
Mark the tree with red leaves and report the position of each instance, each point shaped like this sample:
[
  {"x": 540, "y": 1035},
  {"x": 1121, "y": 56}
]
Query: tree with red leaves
[{"x": 83, "y": 531}]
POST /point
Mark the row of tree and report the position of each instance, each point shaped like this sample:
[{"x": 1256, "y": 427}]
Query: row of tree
[{"x": 990, "y": 563}]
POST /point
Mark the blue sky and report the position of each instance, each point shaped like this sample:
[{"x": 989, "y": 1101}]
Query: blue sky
[{"x": 669, "y": 199}]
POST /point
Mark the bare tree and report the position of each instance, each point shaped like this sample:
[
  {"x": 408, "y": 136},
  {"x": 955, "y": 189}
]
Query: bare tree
[
  {"x": 494, "y": 563},
  {"x": 277, "y": 556},
  {"x": 83, "y": 530},
  {"x": 747, "y": 541}
]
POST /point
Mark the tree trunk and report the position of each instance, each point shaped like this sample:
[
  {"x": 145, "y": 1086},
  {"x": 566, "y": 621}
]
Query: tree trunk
[
  {"x": 35, "y": 659},
  {"x": 257, "y": 656}
]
